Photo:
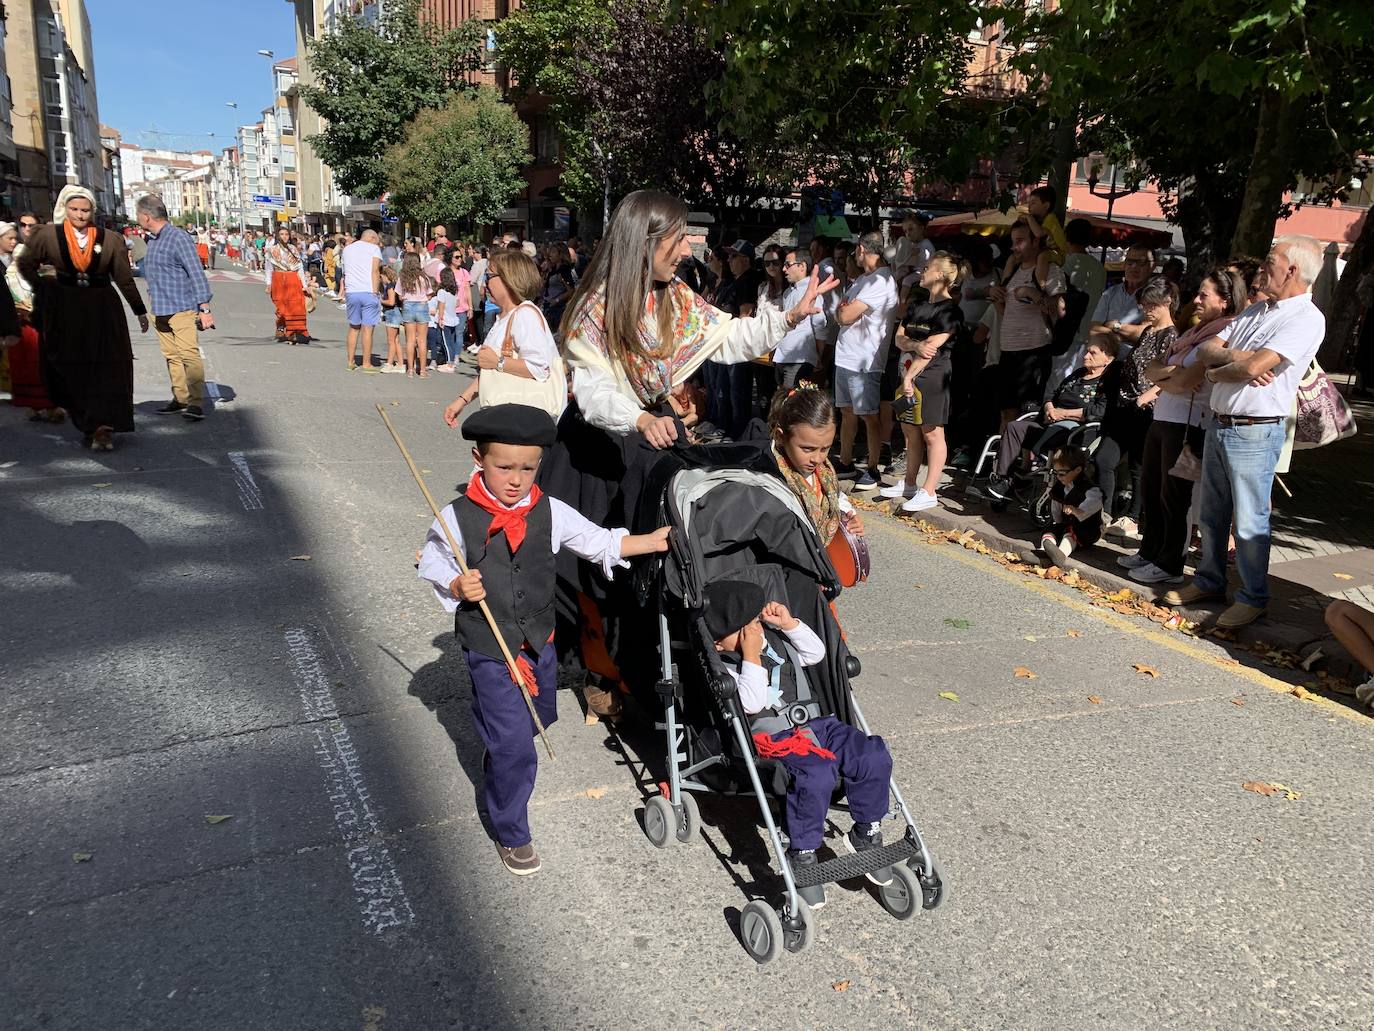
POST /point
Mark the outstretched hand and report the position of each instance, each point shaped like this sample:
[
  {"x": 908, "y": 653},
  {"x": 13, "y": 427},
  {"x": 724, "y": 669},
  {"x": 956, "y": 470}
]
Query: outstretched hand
[{"x": 814, "y": 288}]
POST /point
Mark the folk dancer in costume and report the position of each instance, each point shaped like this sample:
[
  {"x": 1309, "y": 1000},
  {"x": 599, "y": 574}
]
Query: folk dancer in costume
[
  {"x": 287, "y": 286},
  {"x": 88, "y": 360},
  {"x": 25, "y": 357},
  {"x": 511, "y": 533},
  {"x": 756, "y": 639}
]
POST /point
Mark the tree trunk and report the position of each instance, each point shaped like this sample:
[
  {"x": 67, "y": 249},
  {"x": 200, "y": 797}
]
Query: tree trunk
[
  {"x": 1344, "y": 315},
  {"x": 1065, "y": 140},
  {"x": 1271, "y": 173}
]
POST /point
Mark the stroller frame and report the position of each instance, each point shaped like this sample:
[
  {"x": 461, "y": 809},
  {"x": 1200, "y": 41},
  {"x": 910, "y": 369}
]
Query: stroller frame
[{"x": 766, "y": 929}]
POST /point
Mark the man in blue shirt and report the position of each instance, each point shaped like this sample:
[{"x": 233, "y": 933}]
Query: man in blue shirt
[{"x": 180, "y": 296}]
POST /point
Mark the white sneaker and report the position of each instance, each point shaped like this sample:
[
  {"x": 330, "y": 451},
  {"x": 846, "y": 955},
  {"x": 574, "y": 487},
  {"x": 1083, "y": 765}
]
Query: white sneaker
[
  {"x": 1365, "y": 692},
  {"x": 1132, "y": 561},
  {"x": 1150, "y": 573},
  {"x": 920, "y": 501},
  {"x": 897, "y": 490},
  {"x": 1123, "y": 528},
  {"x": 1058, "y": 551}
]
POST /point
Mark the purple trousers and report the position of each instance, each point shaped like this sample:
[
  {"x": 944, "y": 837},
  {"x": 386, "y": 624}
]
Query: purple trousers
[
  {"x": 504, "y": 724},
  {"x": 867, "y": 767}
]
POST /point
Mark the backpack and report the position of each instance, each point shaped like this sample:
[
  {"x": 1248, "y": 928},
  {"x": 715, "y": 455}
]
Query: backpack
[{"x": 1064, "y": 330}]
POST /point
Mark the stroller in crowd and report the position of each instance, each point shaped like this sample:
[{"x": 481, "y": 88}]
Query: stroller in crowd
[{"x": 742, "y": 522}]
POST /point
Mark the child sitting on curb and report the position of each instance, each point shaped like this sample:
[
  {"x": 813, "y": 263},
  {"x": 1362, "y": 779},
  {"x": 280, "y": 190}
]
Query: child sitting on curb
[{"x": 1075, "y": 507}]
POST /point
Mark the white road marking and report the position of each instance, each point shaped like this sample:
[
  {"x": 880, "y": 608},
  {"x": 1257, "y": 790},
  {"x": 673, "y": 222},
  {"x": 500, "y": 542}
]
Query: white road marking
[
  {"x": 377, "y": 886},
  {"x": 249, "y": 493}
]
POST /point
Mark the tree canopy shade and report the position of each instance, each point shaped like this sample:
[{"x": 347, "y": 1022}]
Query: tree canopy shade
[
  {"x": 372, "y": 78},
  {"x": 461, "y": 161}
]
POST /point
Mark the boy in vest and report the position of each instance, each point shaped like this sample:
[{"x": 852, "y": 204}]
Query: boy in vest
[
  {"x": 511, "y": 532},
  {"x": 765, "y": 650},
  {"x": 1075, "y": 507}
]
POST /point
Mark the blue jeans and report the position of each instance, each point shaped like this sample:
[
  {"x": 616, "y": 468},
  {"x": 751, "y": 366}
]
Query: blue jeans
[
  {"x": 453, "y": 338},
  {"x": 1237, "y": 478}
]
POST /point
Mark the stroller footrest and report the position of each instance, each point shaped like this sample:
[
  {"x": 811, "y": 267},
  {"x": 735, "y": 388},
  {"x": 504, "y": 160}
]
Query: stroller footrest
[{"x": 847, "y": 867}]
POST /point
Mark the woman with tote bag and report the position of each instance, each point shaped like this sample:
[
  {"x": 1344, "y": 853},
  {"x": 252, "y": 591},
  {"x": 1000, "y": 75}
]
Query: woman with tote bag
[{"x": 519, "y": 360}]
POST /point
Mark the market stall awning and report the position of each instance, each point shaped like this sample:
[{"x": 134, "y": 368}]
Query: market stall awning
[{"x": 991, "y": 222}]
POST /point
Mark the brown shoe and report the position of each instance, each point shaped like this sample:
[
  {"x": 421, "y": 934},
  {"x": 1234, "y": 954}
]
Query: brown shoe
[
  {"x": 521, "y": 861},
  {"x": 102, "y": 439},
  {"x": 1239, "y": 615},
  {"x": 1190, "y": 595},
  {"x": 605, "y": 704}
]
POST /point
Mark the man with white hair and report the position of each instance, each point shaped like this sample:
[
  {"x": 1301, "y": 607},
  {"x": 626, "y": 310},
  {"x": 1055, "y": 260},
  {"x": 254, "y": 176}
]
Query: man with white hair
[
  {"x": 1256, "y": 363},
  {"x": 362, "y": 265}
]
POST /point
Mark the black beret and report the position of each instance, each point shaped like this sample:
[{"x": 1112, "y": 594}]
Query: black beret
[
  {"x": 730, "y": 604},
  {"x": 511, "y": 424}
]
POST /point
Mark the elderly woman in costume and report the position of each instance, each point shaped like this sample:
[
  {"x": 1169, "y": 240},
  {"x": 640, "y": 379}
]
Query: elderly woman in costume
[
  {"x": 287, "y": 286},
  {"x": 634, "y": 336},
  {"x": 87, "y": 358},
  {"x": 25, "y": 361}
]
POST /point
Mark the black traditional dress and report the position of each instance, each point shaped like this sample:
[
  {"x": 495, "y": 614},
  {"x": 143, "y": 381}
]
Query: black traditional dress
[{"x": 88, "y": 360}]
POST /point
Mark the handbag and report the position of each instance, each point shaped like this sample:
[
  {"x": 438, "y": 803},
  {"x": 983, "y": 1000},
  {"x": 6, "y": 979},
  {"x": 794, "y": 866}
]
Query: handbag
[
  {"x": 502, "y": 388},
  {"x": 1323, "y": 416},
  {"x": 1187, "y": 466}
]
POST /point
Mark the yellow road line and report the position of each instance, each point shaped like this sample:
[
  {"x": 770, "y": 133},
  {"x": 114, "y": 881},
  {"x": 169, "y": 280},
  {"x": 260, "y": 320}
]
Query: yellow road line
[{"x": 1169, "y": 639}]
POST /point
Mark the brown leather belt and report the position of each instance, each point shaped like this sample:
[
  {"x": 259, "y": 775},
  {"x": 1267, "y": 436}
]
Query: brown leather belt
[{"x": 1247, "y": 420}]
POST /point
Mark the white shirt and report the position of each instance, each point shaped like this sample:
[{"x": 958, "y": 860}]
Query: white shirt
[
  {"x": 862, "y": 346},
  {"x": 1023, "y": 322},
  {"x": 1087, "y": 274},
  {"x": 1182, "y": 409},
  {"x": 974, "y": 307},
  {"x": 830, "y": 303},
  {"x": 1293, "y": 329},
  {"x": 752, "y": 679},
  {"x": 531, "y": 338},
  {"x": 799, "y": 343},
  {"x": 1117, "y": 303},
  {"x": 914, "y": 255},
  {"x": 450, "y": 309},
  {"x": 357, "y": 266},
  {"x": 570, "y": 530}
]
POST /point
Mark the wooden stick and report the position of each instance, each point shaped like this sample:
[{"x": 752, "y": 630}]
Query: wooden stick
[
  {"x": 463, "y": 567},
  {"x": 1279, "y": 480}
]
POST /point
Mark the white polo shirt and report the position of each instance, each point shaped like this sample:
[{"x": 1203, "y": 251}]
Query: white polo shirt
[
  {"x": 862, "y": 346},
  {"x": 1293, "y": 328}
]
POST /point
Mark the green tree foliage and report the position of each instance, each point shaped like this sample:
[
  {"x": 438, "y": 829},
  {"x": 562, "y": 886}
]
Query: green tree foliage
[
  {"x": 372, "y": 78},
  {"x": 462, "y": 161},
  {"x": 859, "y": 98}
]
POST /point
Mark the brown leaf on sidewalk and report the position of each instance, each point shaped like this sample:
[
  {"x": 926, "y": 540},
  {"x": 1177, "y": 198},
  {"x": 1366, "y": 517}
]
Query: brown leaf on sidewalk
[
  {"x": 595, "y": 792},
  {"x": 1145, "y": 670},
  {"x": 949, "y": 696},
  {"x": 1238, "y": 702},
  {"x": 1094, "y": 699},
  {"x": 219, "y": 818},
  {"x": 1338, "y": 576},
  {"x": 1021, "y": 671},
  {"x": 1259, "y": 787},
  {"x": 1075, "y": 633},
  {"x": 841, "y": 986},
  {"x": 1300, "y": 692}
]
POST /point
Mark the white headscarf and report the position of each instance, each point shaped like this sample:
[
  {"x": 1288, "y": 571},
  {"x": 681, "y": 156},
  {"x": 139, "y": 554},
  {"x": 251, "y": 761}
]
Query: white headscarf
[{"x": 59, "y": 214}]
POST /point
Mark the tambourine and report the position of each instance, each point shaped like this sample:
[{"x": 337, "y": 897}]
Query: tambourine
[{"x": 848, "y": 553}]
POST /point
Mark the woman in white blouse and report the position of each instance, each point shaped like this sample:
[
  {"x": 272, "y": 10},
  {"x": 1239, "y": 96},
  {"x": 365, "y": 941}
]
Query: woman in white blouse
[{"x": 514, "y": 281}]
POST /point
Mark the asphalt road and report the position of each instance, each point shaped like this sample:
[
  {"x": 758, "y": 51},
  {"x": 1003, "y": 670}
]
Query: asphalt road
[{"x": 223, "y": 620}]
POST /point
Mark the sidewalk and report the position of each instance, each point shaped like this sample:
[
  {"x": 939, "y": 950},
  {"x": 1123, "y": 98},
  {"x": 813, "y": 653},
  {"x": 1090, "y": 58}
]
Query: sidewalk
[{"x": 1321, "y": 552}]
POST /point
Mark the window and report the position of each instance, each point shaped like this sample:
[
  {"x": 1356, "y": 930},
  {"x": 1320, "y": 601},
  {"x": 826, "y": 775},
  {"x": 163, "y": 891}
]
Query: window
[
  {"x": 290, "y": 192},
  {"x": 52, "y": 95},
  {"x": 546, "y": 141},
  {"x": 58, "y": 155},
  {"x": 288, "y": 158}
]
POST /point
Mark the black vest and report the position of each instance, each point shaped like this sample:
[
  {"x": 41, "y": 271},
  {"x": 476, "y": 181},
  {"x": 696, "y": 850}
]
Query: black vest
[
  {"x": 1073, "y": 495},
  {"x": 520, "y": 587}
]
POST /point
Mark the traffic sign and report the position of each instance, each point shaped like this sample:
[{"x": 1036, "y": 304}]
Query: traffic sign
[{"x": 270, "y": 201}]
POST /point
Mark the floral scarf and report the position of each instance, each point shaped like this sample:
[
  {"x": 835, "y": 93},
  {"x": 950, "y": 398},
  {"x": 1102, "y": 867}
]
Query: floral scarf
[
  {"x": 652, "y": 376},
  {"x": 820, "y": 496}
]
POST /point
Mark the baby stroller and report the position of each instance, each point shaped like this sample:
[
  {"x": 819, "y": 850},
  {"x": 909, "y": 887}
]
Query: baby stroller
[{"x": 745, "y": 524}]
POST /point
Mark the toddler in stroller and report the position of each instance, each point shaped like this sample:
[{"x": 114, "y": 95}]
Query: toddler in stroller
[{"x": 744, "y": 550}]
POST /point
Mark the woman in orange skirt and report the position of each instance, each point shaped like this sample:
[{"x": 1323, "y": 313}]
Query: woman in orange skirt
[{"x": 286, "y": 283}]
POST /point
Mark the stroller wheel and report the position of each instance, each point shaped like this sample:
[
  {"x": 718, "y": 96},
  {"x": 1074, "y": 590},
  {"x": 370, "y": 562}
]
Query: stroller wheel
[
  {"x": 660, "y": 822},
  {"x": 932, "y": 887},
  {"x": 760, "y": 932},
  {"x": 689, "y": 819},
  {"x": 903, "y": 896},
  {"x": 799, "y": 939}
]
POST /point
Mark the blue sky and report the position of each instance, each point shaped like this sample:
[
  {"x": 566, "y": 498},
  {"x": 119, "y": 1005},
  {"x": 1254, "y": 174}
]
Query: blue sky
[{"x": 170, "y": 66}]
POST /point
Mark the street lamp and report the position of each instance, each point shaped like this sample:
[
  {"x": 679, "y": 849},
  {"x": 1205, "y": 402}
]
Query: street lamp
[
  {"x": 266, "y": 53},
  {"x": 1111, "y": 194}
]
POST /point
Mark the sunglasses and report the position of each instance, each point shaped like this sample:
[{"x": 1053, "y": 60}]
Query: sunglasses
[
  {"x": 767, "y": 264},
  {"x": 1066, "y": 472}
]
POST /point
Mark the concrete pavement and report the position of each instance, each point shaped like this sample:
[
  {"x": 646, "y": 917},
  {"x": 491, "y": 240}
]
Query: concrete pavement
[{"x": 222, "y": 620}]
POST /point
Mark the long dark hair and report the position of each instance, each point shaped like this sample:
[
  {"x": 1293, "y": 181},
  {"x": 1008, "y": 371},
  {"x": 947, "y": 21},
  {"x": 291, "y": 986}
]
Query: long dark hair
[
  {"x": 623, "y": 266},
  {"x": 805, "y": 403}
]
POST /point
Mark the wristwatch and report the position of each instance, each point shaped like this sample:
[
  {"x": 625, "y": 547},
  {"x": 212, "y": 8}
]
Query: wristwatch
[
  {"x": 501, "y": 364},
  {"x": 1115, "y": 326}
]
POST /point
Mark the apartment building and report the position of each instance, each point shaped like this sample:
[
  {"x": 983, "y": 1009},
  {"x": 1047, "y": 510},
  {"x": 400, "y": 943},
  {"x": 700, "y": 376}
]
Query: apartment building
[{"x": 54, "y": 113}]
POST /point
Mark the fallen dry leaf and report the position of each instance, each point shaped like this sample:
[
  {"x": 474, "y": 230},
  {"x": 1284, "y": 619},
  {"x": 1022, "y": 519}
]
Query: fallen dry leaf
[
  {"x": 841, "y": 986},
  {"x": 218, "y": 818},
  {"x": 1259, "y": 787},
  {"x": 958, "y": 624},
  {"x": 1145, "y": 670},
  {"x": 1338, "y": 576},
  {"x": 1075, "y": 633},
  {"x": 1094, "y": 699},
  {"x": 1021, "y": 671},
  {"x": 1300, "y": 692},
  {"x": 595, "y": 792},
  {"x": 300, "y": 558},
  {"x": 102, "y": 485},
  {"x": 1238, "y": 701},
  {"x": 82, "y": 857},
  {"x": 949, "y": 696},
  {"x": 1031, "y": 637}
]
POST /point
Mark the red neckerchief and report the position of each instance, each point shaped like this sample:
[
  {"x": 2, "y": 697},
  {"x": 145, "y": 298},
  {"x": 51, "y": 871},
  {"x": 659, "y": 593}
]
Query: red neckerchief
[
  {"x": 797, "y": 743},
  {"x": 509, "y": 520}
]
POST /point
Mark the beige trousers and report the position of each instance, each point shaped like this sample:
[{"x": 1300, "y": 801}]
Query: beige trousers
[{"x": 176, "y": 335}]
